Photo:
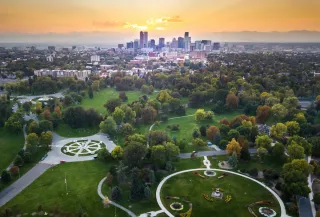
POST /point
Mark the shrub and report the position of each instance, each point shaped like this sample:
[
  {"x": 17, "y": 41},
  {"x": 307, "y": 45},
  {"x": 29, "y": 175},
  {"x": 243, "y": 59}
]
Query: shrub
[
  {"x": 115, "y": 193},
  {"x": 199, "y": 142},
  {"x": 223, "y": 144},
  {"x": 14, "y": 170},
  {"x": 164, "y": 118},
  {"x": 270, "y": 174},
  {"x": 253, "y": 172},
  {"x": 173, "y": 127},
  {"x": 5, "y": 176}
]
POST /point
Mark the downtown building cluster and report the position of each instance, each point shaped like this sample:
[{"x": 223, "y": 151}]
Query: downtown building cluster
[{"x": 180, "y": 43}]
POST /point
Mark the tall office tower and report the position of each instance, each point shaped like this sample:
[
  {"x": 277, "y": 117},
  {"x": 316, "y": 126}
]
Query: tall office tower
[
  {"x": 129, "y": 45},
  {"x": 161, "y": 42},
  {"x": 141, "y": 39},
  {"x": 180, "y": 42},
  {"x": 174, "y": 43},
  {"x": 145, "y": 39},
  {"x": 186, "y": 34},
  {"x": 136, "y": 44},
  {"x": 216, "y": 46},
  {"x": 198, "y": 45},
  {"x": 187, "y": 44},
  {"x": 153, "y": 43}
]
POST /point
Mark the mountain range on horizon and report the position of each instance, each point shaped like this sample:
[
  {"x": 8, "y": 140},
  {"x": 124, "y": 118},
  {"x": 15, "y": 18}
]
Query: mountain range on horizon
[{"x": 109, "y": 37}]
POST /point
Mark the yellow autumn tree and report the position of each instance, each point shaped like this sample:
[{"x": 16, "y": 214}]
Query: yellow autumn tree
[{"x": 233, "y": 146}]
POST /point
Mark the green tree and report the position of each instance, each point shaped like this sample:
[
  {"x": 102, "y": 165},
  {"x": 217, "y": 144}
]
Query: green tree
[
  {"x": 302, "y": 142},
  {"x": 111, "y": 104},
  {"x": 158, "y": 137},
  {"x": 108, "y": 126},
  {"x": 127, "y": 129},
  {"x": 129, "y": 114},
  {"x": 195, "y": 133},
  {"x": 149, "y": 115},
  {"x": 45, "y": 126},
  {"x": 117, "y": 153},
  {"x": 262, "y": 152},
  {"x": 115, "y": 193},
  {"x": 200, "y": 115},
  {"x": 278, "y": 150},
  {"x": 90, "y": 92},
  {"x": 295, "y": 151},
  {"x": 279, "y": 111},
  {"x": 158, "y": 154},
  {"x": 46, "y": 138},
  {"x": 278, "y": 130},
  {"x": 293, "y": 128},
  {"x": 137, "y": 187},
  {"x": 104, "y": 155},
  {"x": 118, "y": 115},
  {"x": 233, "y": 133},
  {"x": 134, "y": 154},
  {"x": 172, "y": 151},
  {"x": 263, "y": 141},
  {"x": 147, "y": 192},
  {"x": 233, "y": 160},
  {"x": 198, "y": 142},
  {"x": 14, "y": 123},
  {"x": 5, "y": 176},
  {"x": 163, "y": 96},
  {"x": 32, "y": 139}
]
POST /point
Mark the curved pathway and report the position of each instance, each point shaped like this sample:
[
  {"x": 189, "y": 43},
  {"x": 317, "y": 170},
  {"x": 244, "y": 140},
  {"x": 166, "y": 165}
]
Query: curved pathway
[
  {"x": 158, "y": 197},
  {"x": 111, "y": 202}
]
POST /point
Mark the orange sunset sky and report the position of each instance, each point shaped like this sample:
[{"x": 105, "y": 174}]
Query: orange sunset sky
[{"x": 166, "y": 16}]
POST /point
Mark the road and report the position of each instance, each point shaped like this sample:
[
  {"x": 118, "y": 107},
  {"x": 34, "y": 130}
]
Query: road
[
  {"x": 14, "y": 189},
  {"x": 211, "y": 153}
]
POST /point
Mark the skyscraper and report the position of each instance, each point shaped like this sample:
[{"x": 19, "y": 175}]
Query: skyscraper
[
  {"x": 187, "y": 43},
  {"x": 186, "y": 34},
  {"x": 198, "y": 45},
  {"x": 145, "y": 39},
  {"x": 136, "y": 44},
  {"x": 153, "y": 43},
  {"x": 161, "y": 42},
  {"x": 141, "y": 39},
  {"x": 174, "y": 43},
  {"x": 180, "y": 42}
]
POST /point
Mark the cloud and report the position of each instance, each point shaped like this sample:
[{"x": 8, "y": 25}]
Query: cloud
[
  {"x": 174, "y": 19},
  {"x": 135, "y": 26},
  {"x": 162, "y": 20},
  {"x": 108, "y": 24},
  {"x": 160, "y": 28}
]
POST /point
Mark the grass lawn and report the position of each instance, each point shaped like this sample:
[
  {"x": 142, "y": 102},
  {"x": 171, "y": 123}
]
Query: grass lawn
[
  {"x": 49, "y": 190},
  {"x": 25, "y": 168},
  {"x": 188, "y": 124},
  {"x": 101, "y": 97},
  {"x": 66, "y": 131},
  {"x": 192, "y": 188},
  {"x": 10, "y": 145}
]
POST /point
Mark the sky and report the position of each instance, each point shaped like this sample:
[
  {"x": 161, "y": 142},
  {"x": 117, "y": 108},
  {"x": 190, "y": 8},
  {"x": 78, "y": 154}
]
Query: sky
[{"x": 158, "y": 17}]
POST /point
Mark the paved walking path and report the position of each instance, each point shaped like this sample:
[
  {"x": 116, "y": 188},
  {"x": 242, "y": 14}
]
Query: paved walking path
[
  {"x": 13, "y": 190},
  {"x": 211, "y": 153},
  {"x": 25, "y": 98},
  {"x": 311, "y": 192}
]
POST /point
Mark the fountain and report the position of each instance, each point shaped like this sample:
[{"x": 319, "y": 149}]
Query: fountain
[{"x": 217, "y": 194}]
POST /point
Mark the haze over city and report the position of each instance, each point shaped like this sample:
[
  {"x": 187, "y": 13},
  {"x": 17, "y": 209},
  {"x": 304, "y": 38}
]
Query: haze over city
[{"x": 116, "y": 21}]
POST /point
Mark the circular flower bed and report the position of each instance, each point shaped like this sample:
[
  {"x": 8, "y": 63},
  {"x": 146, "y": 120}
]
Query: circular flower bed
[
  {"x": 266, "y": 211},
  {"x": 209, "y": 173},
  {"x": 176, "y": 206}
]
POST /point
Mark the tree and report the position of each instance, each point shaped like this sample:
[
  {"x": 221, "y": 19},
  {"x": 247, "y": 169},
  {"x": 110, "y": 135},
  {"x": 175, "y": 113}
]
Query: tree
[
  {"x": 14, "y": 123},
  {"x": 134, "y": 154},
  {"x": 117, "y": 153},
  {"x": 262, "y": 152},
  {"x": 163, "y": 96},
  {"x": 137, "y": 187},
  {"x": 104, "y": 155},
  {"x": 232, "y": 101},
  {"x": 233, "y": 160},
  {"x": 203, "y": 130},
  {"x": 111, "y": 104},
  {"x": 95, "y": 85},
  {"x": 32, "y": 139},
  {"x": 47, "y": 114},
  {"x": 5, "y": 176},
  {"x": 115, "y": 193},
  {"x": 200, "y": 115},
  {"x": 212, "y": 132},
  {"x": 45, "y": 126},
  {"x": 271, "y": 101},
  {"x": 263, "y": 141},
  {"x": 278, "y": 130},
  {"x": 279, "y": 111},
  {"x": 122, "y": 96},
  {"x": 67, "y": 100},
  {"x": 295, "y": 151},
  {"x": 127, "y": 129},
  {"x": 198, "y": 142},
  {"x": 300, "y": 165},
  {"x": 46, "y": 138},
  {"x": 300, "y": 118},
  {"x": 118, "y": 115},
  {"x": 195, "y": 133},
  {"x": 233, "y": 133},
  {"x": 147, "y": 192},
  {"x": 90, "y": 92},
  {"x": 291, "y": 103},
  {"x": 302, "y": 142},
  {"x": 108, "y": 126},
  {"x": 14, "y": 170},
  {"x": 233, "y": 146},
  {"x": 293, "y": 128},
  {"x": 158, "y": 154},
  {"x": 174, "y": 104},
  {"x": 172, "y": 151},
  {"x": 26, "y": 106},
  {"x": 136, "y": 138},
  {"x": 157, "y": 137},
  {"x": 39, "y": 108},
  {"x": 263, "y": 113},
  {"x": 129, "y": 114},
  {"x": 149, "y": 114},
  {"x": 278, "y": 150}
]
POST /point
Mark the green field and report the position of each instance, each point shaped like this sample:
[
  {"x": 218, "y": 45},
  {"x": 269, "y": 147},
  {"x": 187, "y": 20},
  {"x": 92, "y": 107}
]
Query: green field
[
  {"x": 191, "y": 188},
  {"x": 82, "y": 180},
  {"x": 10, "y": 145},
  {"x": 101, "y": 97},
  {"x": 188, "y": 124},
  {"x": 66, "y": 131}
]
